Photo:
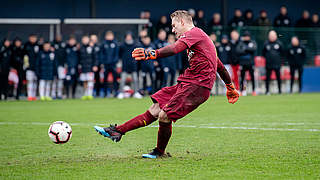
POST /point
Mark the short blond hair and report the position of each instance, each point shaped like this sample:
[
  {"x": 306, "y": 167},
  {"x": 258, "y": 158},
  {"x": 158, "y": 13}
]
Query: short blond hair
[{"x": 182, "y": 14}]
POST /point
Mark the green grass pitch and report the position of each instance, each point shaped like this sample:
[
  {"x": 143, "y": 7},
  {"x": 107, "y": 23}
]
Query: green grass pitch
[{"x": 263, "y": 137}]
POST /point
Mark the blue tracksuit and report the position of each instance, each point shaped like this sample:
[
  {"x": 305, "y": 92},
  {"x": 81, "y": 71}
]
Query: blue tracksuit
[{"x": 46, "y": 65}]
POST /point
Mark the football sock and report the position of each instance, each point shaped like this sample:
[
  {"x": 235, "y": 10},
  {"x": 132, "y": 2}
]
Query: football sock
[
  {"x": 48, "y": 84},
  {"x": 136, "y": 122},
  {"x": 34, "y": 88},
  {"x": 42, "y": 88},
  {"x": 53, "y": 89},
  {"x": 164, "y": 134},
  {"x": 30, "y": 88},
  {"x": 90, "y": 88},
  {"x": 60, "y": 87}
]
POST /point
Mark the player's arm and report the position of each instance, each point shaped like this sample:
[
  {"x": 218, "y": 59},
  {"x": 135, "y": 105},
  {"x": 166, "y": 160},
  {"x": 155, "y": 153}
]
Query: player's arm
[
  {"x": 172, "y": 49},
  {"x": 232, "y": 93}
]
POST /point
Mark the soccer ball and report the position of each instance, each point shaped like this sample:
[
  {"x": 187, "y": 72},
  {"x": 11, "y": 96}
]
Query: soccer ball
[{"x": 60, "y": 132}]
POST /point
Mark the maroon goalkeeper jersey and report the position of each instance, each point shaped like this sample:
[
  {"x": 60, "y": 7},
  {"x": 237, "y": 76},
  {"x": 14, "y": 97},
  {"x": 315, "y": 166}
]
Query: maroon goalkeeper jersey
[{"x": 202, "y": 58}]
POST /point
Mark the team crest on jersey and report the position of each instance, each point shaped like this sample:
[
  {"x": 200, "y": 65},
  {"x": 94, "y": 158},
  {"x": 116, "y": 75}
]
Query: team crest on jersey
[
  {"x": 190, "y": 54},
  {"x": 299, "y": 50},
  {"x": 63, "y": 45},
  {"x": 276, "y": 46},
  {"x": 112, "y": 45},
  {"x": 56, "y": 46},
  {"x": 51, "y": 55},
  {"x": 97, "y": 49},
  {"x": 89, "y": 50},
  {"x": 291, "y": 51},
  {"x": 74, "y": 48},
  {"x": 228, "y": 48},
  {"x": 36, "y": 49}
]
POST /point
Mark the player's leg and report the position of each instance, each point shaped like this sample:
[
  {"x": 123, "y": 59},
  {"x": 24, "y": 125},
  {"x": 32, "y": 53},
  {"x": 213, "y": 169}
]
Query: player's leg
[
  {"x": 29, "y": 84},
  {"x": 115, "y": 132},
  {"x": 42, "y": 85},
  {"x": 277, "y": 70},
  {"x": 292, "y": 72},
  {"x": 268, "y": 73},
  {"x": 243, "y": 73},
  {"x": 114, "y": 80},
  {"x": 54, "y": 88},
  {"x": 48, "y": 89},
  {"x": 123, "y": 77},
  {"x": 186, "y": 99},
  {"x": 251, "y": 71},
  {"x": 90, "y": 85},
  {"x": 300, "y": 71},
  {"x": 135, "y": 81}
]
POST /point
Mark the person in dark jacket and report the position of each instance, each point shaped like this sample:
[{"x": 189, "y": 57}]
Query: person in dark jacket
[
  {"x": 88, "y": 63},
  {"x": 46, "y": 69},
  {"x": 147, "y": 67},
  {"x": 215, "y": 24},
  {"x": 18, "y": 62},
  {"x": 31, "y": 49},
  {"x": 200, "y": 20},
  {"x": 315, "y": 20},
  {"x": 246, "y": 49},
  {"x": 282, "y": 20},
  {"x": 305, "y": 20},
  {"x": 273, "y": 51},
  {"x": 234, "y": 58},
  {"x": 109, "y": 58},
  {"x": 248, "y": 18},
  {"x": 129, "y": 66},
  {"x": 237, "y": 20},
  {"x": 60, "y": 53},
  {"x": 159, "y": 43},
  {"x": 296, "y": 57},
  {"x": 224, "y": 54},
  {"x": 163, "y": 24},
  {"x": 72, "y": 60},
  {"x": 95, "y": 44},
  {"x": 263, "y": 19},
  {"x": 5, "y": 58},
  {"x": 169, "y": 65}
]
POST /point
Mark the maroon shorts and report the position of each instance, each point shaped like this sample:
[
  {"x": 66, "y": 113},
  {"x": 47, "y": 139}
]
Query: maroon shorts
[{"x": 181, "y": 99}]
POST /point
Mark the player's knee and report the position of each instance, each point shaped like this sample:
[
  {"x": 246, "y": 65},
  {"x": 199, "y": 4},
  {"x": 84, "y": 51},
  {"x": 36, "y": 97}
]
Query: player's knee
[
  {"x": 163, "y": 117},
  {"x": 155, "y": 110}
]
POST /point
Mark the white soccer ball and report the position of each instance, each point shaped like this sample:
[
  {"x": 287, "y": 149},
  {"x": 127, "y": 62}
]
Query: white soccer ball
[{"x": 60, "y": 132}]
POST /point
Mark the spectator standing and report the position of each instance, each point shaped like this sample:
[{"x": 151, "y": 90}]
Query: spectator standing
[
  {"x": 18, "y": 62},
  {"x": 305, "y": 20},
  {"x": 5, "y": 59},
  {"x": 129, "y": 66},
  {"x": 246, "y": 49},
  {"x": 72, "y": 60},
  {"x": 272, "y": 51},
  {"x": 248, "y": 18},
  {"x": 237, "y": 20},
  {"x": 31, "y": 49},
  {"x": 109, "y": 59},
  {"x": 46, "y": 68},
  {"x": 282, "y": 19},
  {"x": 296, "y": 57},
  {"x": 234, "y": 58},
  {"x": 88, "y": 63},
  {"x": 60, "y": 53}
]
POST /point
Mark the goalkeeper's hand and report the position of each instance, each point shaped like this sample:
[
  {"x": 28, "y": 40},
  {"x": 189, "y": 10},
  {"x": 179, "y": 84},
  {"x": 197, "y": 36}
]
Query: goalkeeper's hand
[
  {"x": 232, "y": 93},
  {"x": 142, "y": 54}
]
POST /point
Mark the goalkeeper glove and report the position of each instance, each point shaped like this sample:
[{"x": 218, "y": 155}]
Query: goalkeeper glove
[
  {"x": 142, "y": 54},
  {"x": 232, "y": 93}
]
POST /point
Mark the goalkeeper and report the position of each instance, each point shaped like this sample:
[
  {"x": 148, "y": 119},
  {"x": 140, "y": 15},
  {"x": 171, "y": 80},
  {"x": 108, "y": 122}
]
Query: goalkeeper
[{"x": 193, "y": 88}]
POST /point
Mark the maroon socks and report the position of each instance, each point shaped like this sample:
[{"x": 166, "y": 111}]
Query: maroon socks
[
  {"x": 136, "y": 122},
  {"x": 164, "y": 134}
]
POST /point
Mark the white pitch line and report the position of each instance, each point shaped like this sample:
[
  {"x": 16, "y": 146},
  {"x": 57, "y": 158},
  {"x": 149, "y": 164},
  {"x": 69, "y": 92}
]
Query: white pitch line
[{"x": 180, "y": 126}]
